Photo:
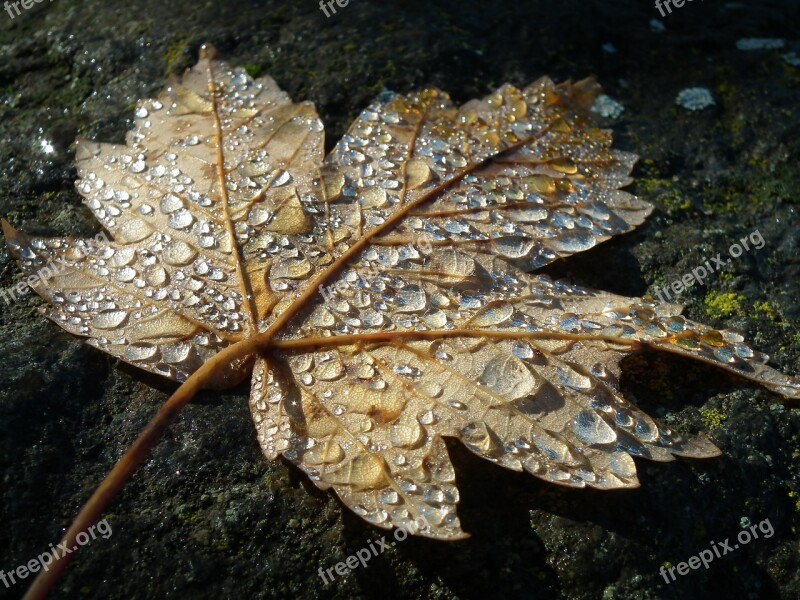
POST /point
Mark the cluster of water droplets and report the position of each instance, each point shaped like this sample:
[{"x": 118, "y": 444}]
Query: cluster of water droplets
[
  {"x": 125, "y": 324},
  {"x": 372, "y": 420}
]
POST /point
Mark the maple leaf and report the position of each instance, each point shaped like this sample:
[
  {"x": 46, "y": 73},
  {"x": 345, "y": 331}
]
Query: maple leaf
[{"x": 380, "y": 295}]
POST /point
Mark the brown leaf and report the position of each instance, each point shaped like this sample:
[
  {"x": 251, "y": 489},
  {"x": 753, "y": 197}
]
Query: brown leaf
[{"x": 386, "y": 285}]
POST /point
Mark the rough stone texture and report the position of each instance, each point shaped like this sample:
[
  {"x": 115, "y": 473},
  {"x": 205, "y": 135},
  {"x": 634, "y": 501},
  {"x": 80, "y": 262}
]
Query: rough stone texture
[{"x": 207, "y": 517}]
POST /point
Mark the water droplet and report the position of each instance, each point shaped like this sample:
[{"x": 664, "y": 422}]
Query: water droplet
[
  {"x": 406, "y": 433},
  {"x": 373, "y": 197},
  {"x": 176, "y": 353},
  {"x": 170, "y": 203},
  {"x": 178, "y": 253},
  {"x": 427, "y": 418},
  {"x": 436, "y": 319},
  {"x": 206, "y": 241},
  {"x": 156, "y": 277},
  {"x": 282, "y": 179},
  {"x": 133, "y": 231},
  {"x": 410, "y": 298},
  {"x": 572, "y": 241},
  {"x": 258, "y": 216},
  {"x": 290, "y": 268},
  {"x": 573, "y": 379},
  {"x": 591, "y": 429},
  {"x": 513, "y": 247},
  {"x": 493, "y": 315},
  {"x": 389, "y": 496},
  {"x": 521, "y": 349},
  {"x": 372, "y": 318},
  {"x": 126, "y": 274},
  {"x": 180, "y": 219},
  {"x": 139, "y": 352},
  {"x": 417, "y": 173},
  {"x": 508, "y": 376},
  {"x": 330, "y": 370},
  {"x": 110, "y": 319},
  {"x": 724, "y": 355}
]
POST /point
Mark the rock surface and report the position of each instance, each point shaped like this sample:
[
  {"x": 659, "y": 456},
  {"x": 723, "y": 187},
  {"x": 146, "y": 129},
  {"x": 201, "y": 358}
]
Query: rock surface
[{"x": 208, "y": 517}]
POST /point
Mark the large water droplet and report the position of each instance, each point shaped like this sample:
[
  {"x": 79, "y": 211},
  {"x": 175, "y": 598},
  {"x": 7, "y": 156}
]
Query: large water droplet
[
  {"x": 176, "y": 353},
  {"x": 513, "y": 247},
  {"x": 170, "y": 203},
  {"x": 178, "y": 253},
  {"x": 126, "y": 274},
  {"x": 110, "y": 319},
  {"x": 156, "y": 277},
  {"x": 573, "y": 379},
  {"x": 290, "y": 268},
  {"x": 180, "y": 219},
  {"x": 572, "y": 241},
  {"x": 138, "y": 352},
  {"x": 133, "y": 231},
  {"x": 410, "y": 298},
  {"x": 508, "y": 376},
  {"x": 591, "y": 429},
  {"x": 493, "y": 315}
]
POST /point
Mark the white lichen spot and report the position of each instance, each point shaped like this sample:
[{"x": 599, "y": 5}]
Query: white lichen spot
[
  {"x": 695, "y": 98},
  {"x": 748, "y": 44},
  {"x": 791, "y": 58},
  {"x": 607, "y": 107}
]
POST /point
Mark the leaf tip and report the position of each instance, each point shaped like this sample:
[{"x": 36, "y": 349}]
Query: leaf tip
[
  {"x": 208, "y": 52},
  {"x": 580, "y": 95},
  {"x": 8, "y": 230},
  {"x": 704, "y": 447}
]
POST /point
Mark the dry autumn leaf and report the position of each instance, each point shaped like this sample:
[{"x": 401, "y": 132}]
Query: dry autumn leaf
[{"x": 379, "y": 295}]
